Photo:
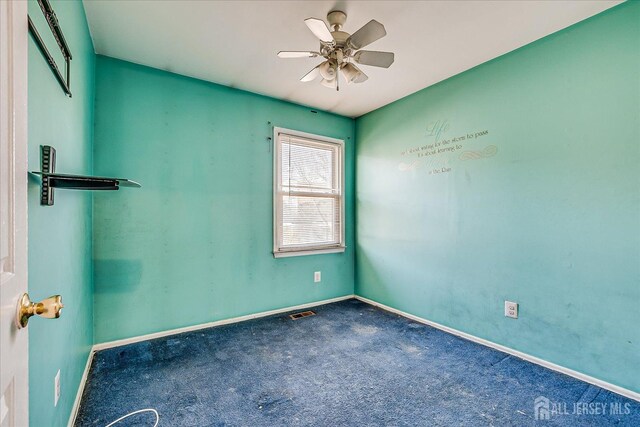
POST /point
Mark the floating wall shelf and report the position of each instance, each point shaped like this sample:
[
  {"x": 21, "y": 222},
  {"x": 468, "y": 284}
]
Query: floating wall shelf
[{"x": 51, "y": 180}]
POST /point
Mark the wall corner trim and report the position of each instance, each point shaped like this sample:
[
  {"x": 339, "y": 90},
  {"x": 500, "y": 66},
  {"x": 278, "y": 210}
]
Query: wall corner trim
[{"x": 575, "y": 374}]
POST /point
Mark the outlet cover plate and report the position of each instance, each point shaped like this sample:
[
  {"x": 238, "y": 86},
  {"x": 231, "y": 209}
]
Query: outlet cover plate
[
  {"x": 511, "y": 309},
  {"x": 317, "y": 277}
]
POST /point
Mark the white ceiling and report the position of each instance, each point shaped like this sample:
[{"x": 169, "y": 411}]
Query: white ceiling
[{"x": 234, "y": 43}]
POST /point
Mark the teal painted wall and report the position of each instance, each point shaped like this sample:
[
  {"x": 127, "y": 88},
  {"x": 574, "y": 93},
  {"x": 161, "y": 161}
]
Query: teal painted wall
[
  {"x": 60, "y": 235},
  {"x": 194, "y": 244},
  {"x": 551, "y": 220}
]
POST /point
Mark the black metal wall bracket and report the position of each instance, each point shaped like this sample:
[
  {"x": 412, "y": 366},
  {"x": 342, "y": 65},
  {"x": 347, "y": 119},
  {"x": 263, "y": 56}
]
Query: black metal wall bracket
[
  {"x": 51, "y": 180},
  {"x": 54, "y": 26}
]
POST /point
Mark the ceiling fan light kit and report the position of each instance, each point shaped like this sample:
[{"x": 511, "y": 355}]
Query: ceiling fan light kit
[
  {"x": 327, "y": 70},
  {"x": 350, "y": 72},
  {"x": 341, "y": 50}
]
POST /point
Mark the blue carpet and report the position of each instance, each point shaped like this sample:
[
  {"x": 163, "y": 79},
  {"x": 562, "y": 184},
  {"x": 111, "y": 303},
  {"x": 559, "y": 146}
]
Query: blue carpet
[{"x": 351, "y": 364}]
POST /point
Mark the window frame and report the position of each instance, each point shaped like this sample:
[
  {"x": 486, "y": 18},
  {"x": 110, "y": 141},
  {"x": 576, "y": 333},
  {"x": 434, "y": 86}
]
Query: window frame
[{"x": 277, "y": 197}]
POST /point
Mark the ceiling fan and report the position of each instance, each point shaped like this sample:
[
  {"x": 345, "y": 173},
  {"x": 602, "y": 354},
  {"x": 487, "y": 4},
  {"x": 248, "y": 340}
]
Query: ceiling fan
[{"x": 341, "y": 50}]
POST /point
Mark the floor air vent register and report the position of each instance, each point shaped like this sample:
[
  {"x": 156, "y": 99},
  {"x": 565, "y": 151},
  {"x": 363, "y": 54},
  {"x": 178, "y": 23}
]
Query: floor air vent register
[{"x": 296, "y": 316}]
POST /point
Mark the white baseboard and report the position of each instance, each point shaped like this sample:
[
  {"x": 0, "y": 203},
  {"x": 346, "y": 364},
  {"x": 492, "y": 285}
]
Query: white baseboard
[
  {"x": 83, "y": 381},
  {"x": 139, "y": 338},
  {"x": 575, "y": 374}
]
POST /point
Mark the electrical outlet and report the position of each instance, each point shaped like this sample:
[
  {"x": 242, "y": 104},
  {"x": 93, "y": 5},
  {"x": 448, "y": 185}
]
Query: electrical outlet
[
  {"x": 317, "y": 277},
  {"x": 511, "y": 309},
  {"x": 56, "y": 385}
]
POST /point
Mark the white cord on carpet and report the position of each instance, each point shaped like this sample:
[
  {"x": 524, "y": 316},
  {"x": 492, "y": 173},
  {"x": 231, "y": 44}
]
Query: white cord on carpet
[{"x": 137, "y": 412}]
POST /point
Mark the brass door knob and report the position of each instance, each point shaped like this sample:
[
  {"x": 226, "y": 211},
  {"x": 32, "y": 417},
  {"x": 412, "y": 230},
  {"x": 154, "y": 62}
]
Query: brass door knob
[{"x": 49, "y": 308}]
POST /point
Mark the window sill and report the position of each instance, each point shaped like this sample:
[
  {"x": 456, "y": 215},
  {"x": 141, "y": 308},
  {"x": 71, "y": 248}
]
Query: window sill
[{"x": 286, "y": 254}]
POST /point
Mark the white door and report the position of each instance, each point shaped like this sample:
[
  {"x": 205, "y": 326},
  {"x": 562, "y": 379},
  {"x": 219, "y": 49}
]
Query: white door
[{"x": 14, "y": 358}]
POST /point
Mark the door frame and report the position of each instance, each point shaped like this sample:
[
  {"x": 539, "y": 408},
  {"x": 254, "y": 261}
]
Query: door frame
[{"x": 14, "y": 378}]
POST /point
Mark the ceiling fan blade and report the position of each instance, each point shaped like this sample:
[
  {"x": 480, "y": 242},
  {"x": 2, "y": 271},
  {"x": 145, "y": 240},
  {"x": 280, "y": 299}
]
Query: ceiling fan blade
[
  {"x": 297, "y": 54},
  {"x": 372, "y": 31},
  {"x": 311, "y": 75},
  {"x": 320, "y": 29},
  {"x": 373, "y": 58}
]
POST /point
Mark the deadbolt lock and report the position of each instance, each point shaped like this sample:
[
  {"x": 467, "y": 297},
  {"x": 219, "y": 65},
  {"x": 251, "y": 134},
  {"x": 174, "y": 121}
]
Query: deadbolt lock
[{"x": 49, "y": 308}]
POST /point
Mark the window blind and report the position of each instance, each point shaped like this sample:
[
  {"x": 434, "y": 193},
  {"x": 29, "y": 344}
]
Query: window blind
[{"x": 308, "y": 194}]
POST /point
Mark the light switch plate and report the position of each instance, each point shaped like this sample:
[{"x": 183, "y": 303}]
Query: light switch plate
[{"x": 317, "y": 277}]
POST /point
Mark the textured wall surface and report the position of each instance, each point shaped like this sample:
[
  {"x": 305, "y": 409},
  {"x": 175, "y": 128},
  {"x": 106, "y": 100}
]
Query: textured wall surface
[
  {"x": 194, "y": 244},
  {"x": 543, "y": 208},
  {"x": 60, "y": 235}
]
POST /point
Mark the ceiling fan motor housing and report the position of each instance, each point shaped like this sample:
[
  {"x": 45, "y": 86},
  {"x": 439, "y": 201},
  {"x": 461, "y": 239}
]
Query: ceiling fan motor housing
[{"x": 341, "y": 38}]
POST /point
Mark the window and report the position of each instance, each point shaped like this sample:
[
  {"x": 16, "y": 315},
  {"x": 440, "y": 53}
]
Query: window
[{"x": 308, "y": 194}]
